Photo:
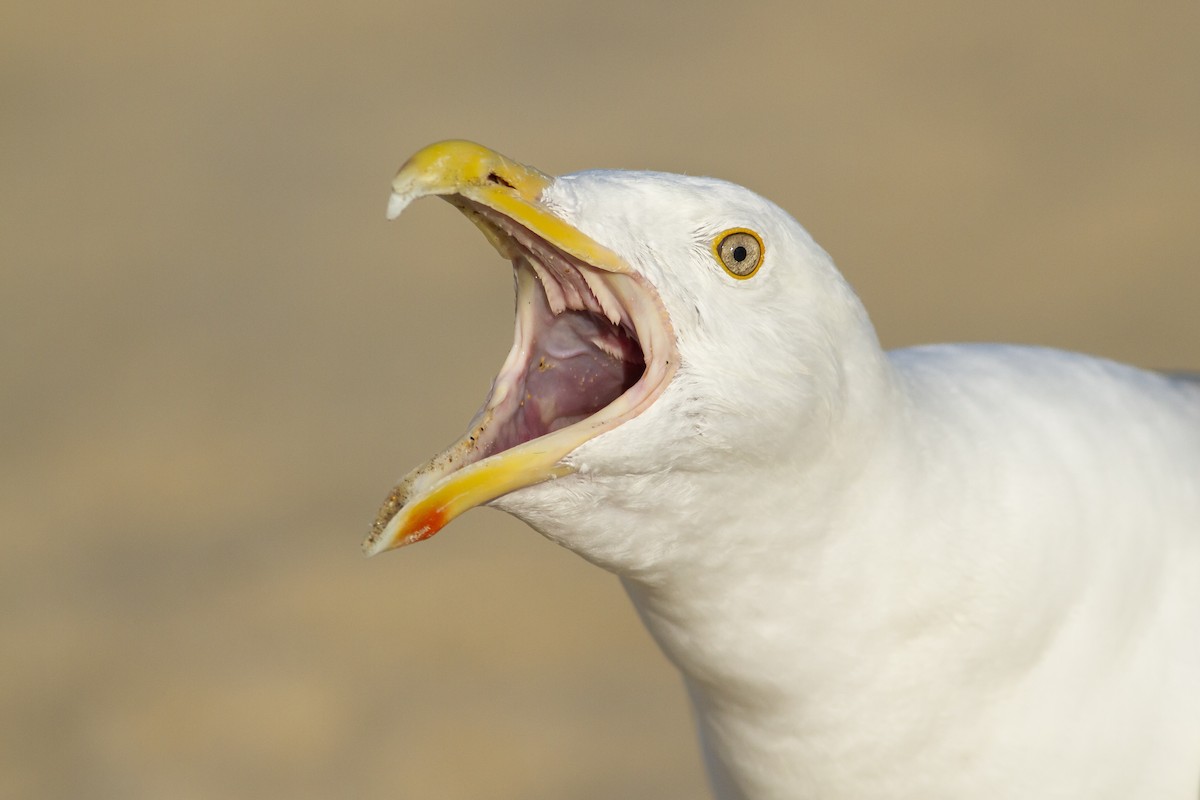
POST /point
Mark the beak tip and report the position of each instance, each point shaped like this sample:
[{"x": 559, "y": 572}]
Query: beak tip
[
  {"x": 378, "y": 541},
  {"x": 397, "y": 203}
]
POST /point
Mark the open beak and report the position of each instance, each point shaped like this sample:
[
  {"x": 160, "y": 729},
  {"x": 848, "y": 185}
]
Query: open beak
[{"x": 593, "y": 346}]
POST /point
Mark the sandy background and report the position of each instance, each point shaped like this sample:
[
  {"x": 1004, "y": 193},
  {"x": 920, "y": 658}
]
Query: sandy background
[{"x": 217, "y": 356}]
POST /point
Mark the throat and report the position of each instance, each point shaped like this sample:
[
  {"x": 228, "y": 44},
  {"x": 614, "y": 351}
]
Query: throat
[{"x": 578, "y": 364}]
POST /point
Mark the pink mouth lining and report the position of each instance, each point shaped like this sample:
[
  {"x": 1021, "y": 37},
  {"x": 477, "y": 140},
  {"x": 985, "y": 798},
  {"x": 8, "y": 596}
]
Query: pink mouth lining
[{"x": 577, "y": 347}]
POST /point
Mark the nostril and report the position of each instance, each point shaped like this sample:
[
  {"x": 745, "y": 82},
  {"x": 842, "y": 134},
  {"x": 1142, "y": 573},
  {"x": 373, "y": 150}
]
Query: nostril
[{"x": 494, "y": 177}]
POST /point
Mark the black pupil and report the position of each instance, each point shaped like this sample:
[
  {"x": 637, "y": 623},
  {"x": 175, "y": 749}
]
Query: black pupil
[{"x": 739, "y": 253}]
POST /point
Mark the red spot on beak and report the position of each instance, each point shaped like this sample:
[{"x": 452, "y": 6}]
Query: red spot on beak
[{"x": 426, "y": 525}]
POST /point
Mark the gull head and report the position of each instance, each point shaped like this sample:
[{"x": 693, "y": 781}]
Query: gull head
[{"x": 673, "y": 334}]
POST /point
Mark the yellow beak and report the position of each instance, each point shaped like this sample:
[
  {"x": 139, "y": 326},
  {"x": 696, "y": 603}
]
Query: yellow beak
[{"x": 465, "y": 169}]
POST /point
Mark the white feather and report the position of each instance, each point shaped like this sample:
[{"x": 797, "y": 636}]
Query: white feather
[{"x": 942, "y": 572}]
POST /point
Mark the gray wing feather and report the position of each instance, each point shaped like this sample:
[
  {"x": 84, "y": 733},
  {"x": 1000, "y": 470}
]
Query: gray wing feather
[{"x": 1190, "y": 377}]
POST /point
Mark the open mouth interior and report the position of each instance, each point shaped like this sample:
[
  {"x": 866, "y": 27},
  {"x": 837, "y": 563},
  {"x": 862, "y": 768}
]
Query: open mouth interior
[
  {"x": 576, "y": 350},
  {"x": 575, "y": 363}
]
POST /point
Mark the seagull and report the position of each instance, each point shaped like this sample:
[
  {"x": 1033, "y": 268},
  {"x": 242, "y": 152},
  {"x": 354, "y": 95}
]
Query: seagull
[{"x": 951, "y": 571}]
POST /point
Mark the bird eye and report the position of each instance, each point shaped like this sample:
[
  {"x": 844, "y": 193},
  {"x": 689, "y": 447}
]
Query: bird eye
[{"x": 740, "y": 251}]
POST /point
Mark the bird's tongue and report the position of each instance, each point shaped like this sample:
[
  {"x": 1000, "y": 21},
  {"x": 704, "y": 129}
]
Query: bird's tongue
[{"x": 578, "y": 365}]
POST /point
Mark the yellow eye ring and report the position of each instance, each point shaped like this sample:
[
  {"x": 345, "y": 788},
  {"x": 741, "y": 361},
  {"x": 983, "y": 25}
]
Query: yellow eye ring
[{"x": 740, "y": 251}]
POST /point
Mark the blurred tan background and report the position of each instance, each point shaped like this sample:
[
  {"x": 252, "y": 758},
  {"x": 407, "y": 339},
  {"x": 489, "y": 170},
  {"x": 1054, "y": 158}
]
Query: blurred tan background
[{"x": 217, "y": 356}]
